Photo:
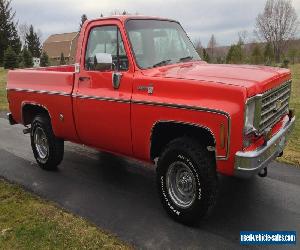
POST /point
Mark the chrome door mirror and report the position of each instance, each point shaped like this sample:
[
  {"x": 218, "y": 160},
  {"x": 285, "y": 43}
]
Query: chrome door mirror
[{"x": 103, "y": 62}]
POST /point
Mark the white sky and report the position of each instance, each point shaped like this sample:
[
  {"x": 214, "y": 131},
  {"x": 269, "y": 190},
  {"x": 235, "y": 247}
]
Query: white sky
[{"x": 224, "y": 18}]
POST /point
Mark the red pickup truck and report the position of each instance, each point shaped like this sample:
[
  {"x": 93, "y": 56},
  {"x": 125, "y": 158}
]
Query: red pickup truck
[{"x": 139, "y": 89}]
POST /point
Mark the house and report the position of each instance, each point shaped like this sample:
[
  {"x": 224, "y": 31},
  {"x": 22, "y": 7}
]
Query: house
[{"x": 65, "y": 43}]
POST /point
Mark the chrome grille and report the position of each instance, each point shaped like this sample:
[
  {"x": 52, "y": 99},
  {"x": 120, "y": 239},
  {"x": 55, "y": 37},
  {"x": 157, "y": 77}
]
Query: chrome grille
[{"x": 275, "y": 104}]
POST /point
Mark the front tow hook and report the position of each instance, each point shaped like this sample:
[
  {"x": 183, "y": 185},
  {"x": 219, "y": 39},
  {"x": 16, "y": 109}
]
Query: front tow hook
[{"x": 263, "y": 172}]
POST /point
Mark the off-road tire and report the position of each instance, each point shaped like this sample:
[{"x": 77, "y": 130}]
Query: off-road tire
[
  {"x": 188, "y": 152},
  {"x": 55, "y": 152}
]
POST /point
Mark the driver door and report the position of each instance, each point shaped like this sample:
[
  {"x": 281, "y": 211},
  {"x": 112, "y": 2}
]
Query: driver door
[{"x": 102, "y": 111}]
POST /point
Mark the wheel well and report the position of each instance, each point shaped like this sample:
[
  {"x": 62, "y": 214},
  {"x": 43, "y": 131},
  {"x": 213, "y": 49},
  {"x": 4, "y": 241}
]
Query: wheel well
[
  {"x": 164, "y": 132},
  {"x": 29, "y": 111}
]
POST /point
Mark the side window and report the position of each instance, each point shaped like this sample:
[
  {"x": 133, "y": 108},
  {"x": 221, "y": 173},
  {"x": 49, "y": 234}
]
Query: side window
[{"x": 106, "y": 39}]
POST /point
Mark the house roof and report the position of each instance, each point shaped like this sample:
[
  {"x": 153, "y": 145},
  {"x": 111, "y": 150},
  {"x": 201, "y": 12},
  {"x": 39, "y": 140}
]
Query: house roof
[
  {"x": 60, "y": 43},
  {"x": 64, "y": 37}
]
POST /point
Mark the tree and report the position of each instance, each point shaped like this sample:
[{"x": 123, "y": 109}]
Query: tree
[
  {"x": 27, "y": 58},
  {"x": 212, "y": 45},
  {"x": 198, "y": 46},
  {"x": 292, "y": 54},
  {"x": 277, "y": 24},
  {"x": 256, "y": 56},
  {"x": 235, "y": 54},
  {"x": 83, "y": 19},
  {"x": 62, "y": 59},
  {"x": 10, "y": 60},
  {"x": 32, "y": 42},
  {"x": 243, "y": 35},
  {"x": 23, "y": 31},
  {"x": 205, "y": 56},
  {"x": 268, "y": 54},
  {"x": 118, "y": 12},
  {"x": 8, "y": 29},
  {"x": 44, "y": 60}
]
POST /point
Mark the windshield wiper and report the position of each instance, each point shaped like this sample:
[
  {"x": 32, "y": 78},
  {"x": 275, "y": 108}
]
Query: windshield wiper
[
  {"x": 164, "y": 62},
  {"x": 186, "y": 58}
]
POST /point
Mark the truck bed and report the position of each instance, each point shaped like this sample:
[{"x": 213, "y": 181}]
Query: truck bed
[
  {"x": 49, "y": 87},
  {"x": 49, "y": 79}
]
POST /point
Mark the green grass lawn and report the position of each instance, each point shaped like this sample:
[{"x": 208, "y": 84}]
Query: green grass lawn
[
  {"x": 3, "y": 101},
  {"x": 27, "y": 222},
  {"x": 292, "y": 151}
]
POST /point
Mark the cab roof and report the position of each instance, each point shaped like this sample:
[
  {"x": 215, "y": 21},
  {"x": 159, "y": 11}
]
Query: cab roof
[{"x": 124, "y": 18}]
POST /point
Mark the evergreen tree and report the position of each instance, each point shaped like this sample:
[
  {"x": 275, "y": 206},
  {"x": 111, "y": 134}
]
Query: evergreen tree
[
  {"x": 83, "y": 19},
  {"x": 44, "y": 60},
  {"x": 27, "y": 58},
  {"x": 62, "y": 59},
  {"x": 205, "y": 56},
  {"x": 10, "y": 60},
  {"x": 8, "y": 29},
  {"x": 235, "y": 54},
  {"x": 268, "y": 54},
  {"x": 33, "y": 43},
  {"x": 256, "y": 56}
]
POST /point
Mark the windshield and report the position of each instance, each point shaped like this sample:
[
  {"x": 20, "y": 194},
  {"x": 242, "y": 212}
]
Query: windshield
[{"x": 156, "y": 43}]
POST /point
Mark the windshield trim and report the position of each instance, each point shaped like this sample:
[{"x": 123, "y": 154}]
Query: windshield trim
[{"x": 158, "y": 19}]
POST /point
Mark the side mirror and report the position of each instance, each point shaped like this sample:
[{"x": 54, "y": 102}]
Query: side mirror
[{"x": 103, "y": 62}]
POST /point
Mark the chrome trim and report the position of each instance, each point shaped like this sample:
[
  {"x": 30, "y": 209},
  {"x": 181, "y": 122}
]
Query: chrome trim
[
  {"x": 169, "y": 105},
  {"x": 33, "y": 104},
  {"x": 116, "y": 79},
  {"x": 191, "y": 124},
  {"x": 149, "y": 88},
  {"x": 181, "y": 184},
  {"x": 77, "y": 67},
  {"x": 60, "y": 93},
  {"x": 251, "y": 162},
  {"x": 259, "y": 105},
  {"x": 138, "y": 102},
  {"x": 101, "y": 98}
]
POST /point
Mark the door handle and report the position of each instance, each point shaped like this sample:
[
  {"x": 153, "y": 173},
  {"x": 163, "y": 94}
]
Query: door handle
[{"x": 84, "y": 78}]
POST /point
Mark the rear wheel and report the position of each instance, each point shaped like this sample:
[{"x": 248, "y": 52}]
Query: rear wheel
[
  {"x": 187, "y": 180},
  {"x": 48, "y": 150}
]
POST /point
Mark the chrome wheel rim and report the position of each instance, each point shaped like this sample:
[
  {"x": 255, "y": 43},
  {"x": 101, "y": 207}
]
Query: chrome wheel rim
[
  {"x": 181, "y": 184},
  {"x": 41, "y": 143}
]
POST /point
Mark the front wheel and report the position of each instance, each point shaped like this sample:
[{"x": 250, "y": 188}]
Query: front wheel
[
  {"x": 48, "y": 150},
  {"x": 187, "y": 180}
]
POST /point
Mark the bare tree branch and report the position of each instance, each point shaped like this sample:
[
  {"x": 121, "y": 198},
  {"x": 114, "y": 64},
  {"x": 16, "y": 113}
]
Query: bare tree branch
[{"x": 277, "y": 24}]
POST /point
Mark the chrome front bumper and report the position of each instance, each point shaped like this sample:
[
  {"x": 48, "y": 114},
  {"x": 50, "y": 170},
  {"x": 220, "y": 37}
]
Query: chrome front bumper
[{"x": 251, "y": 162}]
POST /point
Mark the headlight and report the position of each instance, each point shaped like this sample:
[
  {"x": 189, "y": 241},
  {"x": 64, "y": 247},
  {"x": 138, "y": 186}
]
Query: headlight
[
  {"x": 252, "y": 118},
  {"x": 249, "y": 117}
]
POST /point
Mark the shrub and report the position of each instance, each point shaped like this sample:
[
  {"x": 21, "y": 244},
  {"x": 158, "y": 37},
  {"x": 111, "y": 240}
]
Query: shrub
[
  {"x": 27, "y": 58},
  {"x": 44, "y": 60},
  {"x": 10, "y": 60}
]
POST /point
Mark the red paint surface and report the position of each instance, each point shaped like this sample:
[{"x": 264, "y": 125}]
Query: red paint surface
[{"x": 125, "y": 127}]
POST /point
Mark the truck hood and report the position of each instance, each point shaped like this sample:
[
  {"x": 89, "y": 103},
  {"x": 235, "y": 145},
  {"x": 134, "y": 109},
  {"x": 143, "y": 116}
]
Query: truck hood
[{"x": 256, "y": 79}]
